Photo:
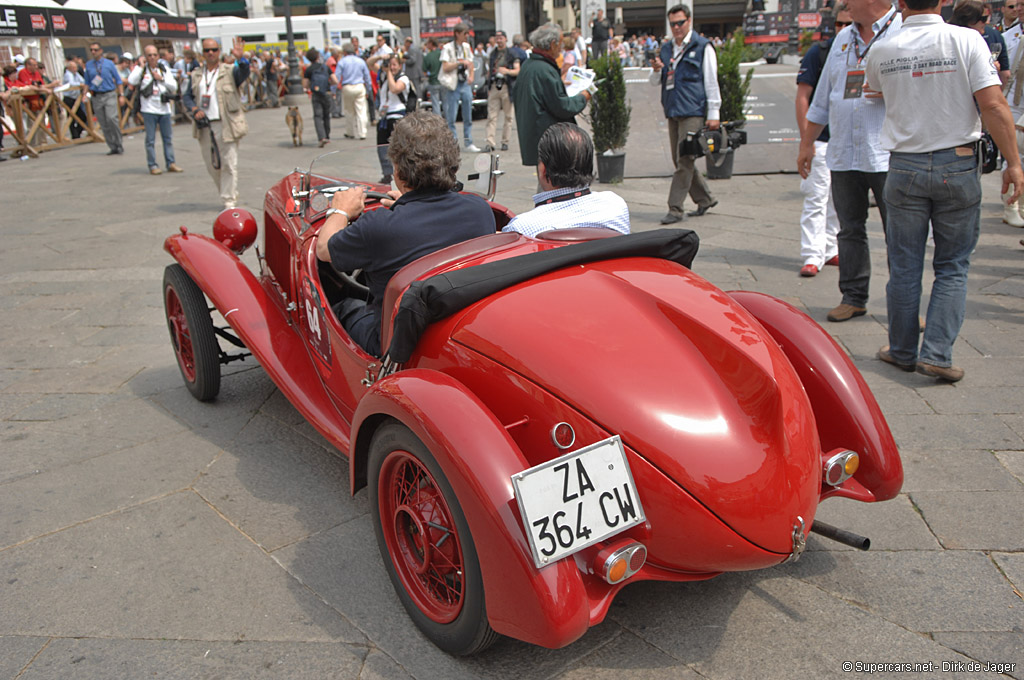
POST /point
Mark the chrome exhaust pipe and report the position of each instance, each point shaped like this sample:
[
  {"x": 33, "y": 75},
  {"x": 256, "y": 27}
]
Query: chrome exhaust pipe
[{"x": 841, "y": 535}]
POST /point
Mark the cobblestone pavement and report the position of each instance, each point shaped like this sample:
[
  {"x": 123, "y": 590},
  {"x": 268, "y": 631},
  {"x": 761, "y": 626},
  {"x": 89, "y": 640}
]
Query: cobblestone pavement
[{"x": 143, "y": 534}]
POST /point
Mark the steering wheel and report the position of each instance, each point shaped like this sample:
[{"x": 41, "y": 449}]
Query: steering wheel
[{"x": 349, "y": 279}]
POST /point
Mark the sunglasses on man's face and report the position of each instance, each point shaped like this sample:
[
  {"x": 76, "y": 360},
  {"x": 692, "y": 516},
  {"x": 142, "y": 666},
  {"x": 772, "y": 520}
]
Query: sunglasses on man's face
[
  {"x": 842, "y": 24},
  {"x": 95, "y": 49},
  {"x": 678, "y": 24},
  {"x": 211, "y": 49}
]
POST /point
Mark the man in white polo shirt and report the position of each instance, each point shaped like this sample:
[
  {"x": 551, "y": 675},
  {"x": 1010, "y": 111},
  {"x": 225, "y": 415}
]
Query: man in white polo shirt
[{"x": 934, "y": 67}]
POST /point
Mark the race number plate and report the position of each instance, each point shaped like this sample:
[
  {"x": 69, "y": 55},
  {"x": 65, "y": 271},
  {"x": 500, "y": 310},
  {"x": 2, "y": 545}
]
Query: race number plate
[{"x": 576, "y": 500}]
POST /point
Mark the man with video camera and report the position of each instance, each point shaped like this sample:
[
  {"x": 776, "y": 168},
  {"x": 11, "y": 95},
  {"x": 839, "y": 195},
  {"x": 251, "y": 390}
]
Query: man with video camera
[
  {"x": 158, "y": 90},
  {"x": 504, "y": 69},
  {"x": 687, "y": 70}
]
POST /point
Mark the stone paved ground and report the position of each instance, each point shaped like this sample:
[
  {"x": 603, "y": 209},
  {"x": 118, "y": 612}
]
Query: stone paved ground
[{"x": 143, "y": 534}]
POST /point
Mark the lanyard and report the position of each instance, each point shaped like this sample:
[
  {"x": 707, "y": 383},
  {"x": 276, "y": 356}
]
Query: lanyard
[
  {"x": 206, "y": 83},
  {"x": 563, "y": 197},
  {"x": 876, "y": 36}
]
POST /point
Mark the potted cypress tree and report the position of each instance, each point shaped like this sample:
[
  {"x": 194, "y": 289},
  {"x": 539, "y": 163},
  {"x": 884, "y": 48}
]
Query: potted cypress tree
[
  {"x": 609, "y": 118},
  {"x": 734, "y": 89}
]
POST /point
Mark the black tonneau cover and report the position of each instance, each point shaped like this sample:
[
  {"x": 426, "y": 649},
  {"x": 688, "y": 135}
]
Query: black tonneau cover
[{"x": 434, "y": 298}]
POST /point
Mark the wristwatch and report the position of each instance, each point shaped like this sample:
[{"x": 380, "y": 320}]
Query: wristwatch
[{"x": 338, "y": 211}]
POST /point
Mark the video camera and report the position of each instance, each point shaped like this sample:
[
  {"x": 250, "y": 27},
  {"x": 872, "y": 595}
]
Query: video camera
[{"x": 705, "y": 141}]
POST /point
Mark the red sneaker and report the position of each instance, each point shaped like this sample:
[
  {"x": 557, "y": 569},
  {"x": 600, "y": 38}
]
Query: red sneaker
[
  {"x": 808, "y": 270},
  {"x": 834, "y": 261}
]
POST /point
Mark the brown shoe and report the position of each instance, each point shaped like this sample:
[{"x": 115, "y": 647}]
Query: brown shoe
[
  {"x": 155, "y": 171},
  {"x": 173, "y": 167},
  {"x": 948, "y": 373},
  {"x": 845, "y": 312},
  {"x": 884, "y": 355}
]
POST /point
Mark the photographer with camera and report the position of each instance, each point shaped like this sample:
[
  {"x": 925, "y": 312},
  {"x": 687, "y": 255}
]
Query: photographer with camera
[
  {"x": 158, "y": 90},
  {"x": 457, "y": 79},
  {"x": 397, "y": 97},
  {"x": 504, "y": 69},
  {"x": 212, "y": 97}
]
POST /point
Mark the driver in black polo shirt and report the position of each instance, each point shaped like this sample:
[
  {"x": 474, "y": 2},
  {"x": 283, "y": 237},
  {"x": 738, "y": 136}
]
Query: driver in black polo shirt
[{"x": 429, "y": 214}]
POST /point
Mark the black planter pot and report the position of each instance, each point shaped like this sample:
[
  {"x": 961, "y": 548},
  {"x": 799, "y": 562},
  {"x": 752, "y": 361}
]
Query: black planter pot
[
  {"x": 720, "y": 164},
  {"x": 611, "y": 168}
]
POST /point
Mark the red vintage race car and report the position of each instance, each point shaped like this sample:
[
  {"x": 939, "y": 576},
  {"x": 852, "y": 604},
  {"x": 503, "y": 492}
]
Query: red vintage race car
[{"x": 552, "y": 419}]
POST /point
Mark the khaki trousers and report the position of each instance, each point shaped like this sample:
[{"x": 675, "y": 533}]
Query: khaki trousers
[
  {"x": 354, "y": 99},
  {"x": 226, "y": 177},
  {"x": 686, "y": 178},
  {"x": 498, "y": 101}
]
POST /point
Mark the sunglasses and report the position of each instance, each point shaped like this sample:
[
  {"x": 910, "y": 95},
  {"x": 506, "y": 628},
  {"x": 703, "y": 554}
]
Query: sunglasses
[
  {"x": 93, "y": 49},
  {"x": 211, "y": 49},
  {"x": 842, "y": 24},
  {"x": 678, "y": 24}
]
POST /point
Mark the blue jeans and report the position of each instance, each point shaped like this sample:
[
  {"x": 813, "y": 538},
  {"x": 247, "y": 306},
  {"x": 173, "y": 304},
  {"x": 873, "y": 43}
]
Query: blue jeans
[
  {"x": 152, "y": 120},
  {"x": 463, "y": 94},
  {"x": 850, "y": 197},
  {"x": 437, "y": 97},
  {"x": 943, "y": 188}
]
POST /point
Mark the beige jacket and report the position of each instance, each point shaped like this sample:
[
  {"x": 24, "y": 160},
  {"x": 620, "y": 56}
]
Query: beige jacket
[{"x": 232, "y": 114}]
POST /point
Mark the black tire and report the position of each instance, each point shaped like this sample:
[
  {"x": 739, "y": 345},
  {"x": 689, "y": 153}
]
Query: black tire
[
  {"x": 192, "y": 337},
  {"x": 469, "y": 632}
]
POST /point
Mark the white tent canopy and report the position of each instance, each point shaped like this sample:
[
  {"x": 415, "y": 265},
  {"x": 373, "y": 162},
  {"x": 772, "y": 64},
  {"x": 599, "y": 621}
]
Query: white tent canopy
[
  {"x": 101, "y": 6},
  {"x": 49, "y": 4}
]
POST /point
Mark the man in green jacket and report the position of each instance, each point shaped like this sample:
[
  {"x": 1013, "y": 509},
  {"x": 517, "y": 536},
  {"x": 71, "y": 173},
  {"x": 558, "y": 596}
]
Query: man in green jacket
[{"x": 539, "y": 95}]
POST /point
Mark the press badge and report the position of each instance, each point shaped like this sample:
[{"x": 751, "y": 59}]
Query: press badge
[
  {"x": 204, "y": 101},
  {"x": 97, "y": 81},
  {"x": 854, "y": 85},
  {"x": 670, "y": 79}
]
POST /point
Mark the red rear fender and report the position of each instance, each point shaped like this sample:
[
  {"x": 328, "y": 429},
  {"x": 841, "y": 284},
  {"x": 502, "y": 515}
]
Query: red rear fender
[
  {"x": 263, "y": 327},
  {"x": 846, "y": 412},
  {"x": 548, "y": 607}
]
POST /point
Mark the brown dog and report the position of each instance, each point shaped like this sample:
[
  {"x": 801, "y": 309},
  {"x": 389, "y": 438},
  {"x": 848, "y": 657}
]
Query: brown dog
[{"x": 294, "y": 120}]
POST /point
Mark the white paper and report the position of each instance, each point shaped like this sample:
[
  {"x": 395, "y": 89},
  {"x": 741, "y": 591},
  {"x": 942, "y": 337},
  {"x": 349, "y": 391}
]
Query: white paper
[{"x": 579, "y": 79}]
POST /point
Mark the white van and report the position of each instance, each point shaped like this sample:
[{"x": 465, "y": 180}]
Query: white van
[{"x": 314, "y": 30}]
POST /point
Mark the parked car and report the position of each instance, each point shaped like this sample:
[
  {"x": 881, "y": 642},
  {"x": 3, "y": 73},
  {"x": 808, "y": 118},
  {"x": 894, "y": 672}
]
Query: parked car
[{"x": 552, "y": 419}]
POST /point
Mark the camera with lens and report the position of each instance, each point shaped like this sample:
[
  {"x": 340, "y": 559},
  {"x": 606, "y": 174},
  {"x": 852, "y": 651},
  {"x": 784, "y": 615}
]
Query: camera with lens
[
  {"x": 202, "y": 123},
  {"x": 385, "y": 63},
  {"x": 499, "y": 80},
  {"x": 165, "y": 97},
  {"x": 462, "y": 73}
]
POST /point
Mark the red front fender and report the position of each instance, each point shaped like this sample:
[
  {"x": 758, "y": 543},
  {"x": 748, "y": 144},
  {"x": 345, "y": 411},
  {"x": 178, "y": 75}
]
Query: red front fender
[
  {"x": 262, "y": 326},
  {"x": 844, "y": 407},
  {"x": 548, "y": 607}
]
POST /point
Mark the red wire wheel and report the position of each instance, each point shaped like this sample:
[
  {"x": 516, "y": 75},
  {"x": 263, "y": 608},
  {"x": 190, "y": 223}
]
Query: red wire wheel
[
  {"x": 192, "y": 337},
  {"x": 425, "y": 543},
  {"x": 421, "y": 537}
]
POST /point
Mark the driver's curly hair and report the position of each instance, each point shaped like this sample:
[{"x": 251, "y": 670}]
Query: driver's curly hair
[{"x": 424, "y": 152}]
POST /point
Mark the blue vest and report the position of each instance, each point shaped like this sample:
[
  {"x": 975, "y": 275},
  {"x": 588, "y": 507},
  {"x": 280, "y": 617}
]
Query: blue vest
[{"x": 688, "y": 98}]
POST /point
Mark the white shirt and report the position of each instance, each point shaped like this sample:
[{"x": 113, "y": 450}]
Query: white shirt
[
  {"x": 854, "y": 124},
  {"x": 709, "y": 67},
  {"x": 140, "y": 78},
  {"x": 449, "y": 54},
  {"x": 383, "y": 51},
  {"x": 391, "y": 102},
  {"x": 208, "y": 85},
  {"x": 933, "y": 67},
  {"x": 1013, "y": 37},
  {"x": 597, "y": 209}
]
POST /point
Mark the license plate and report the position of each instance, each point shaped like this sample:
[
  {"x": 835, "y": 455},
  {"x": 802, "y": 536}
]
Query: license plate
[{"x": 577, "y": 500}]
